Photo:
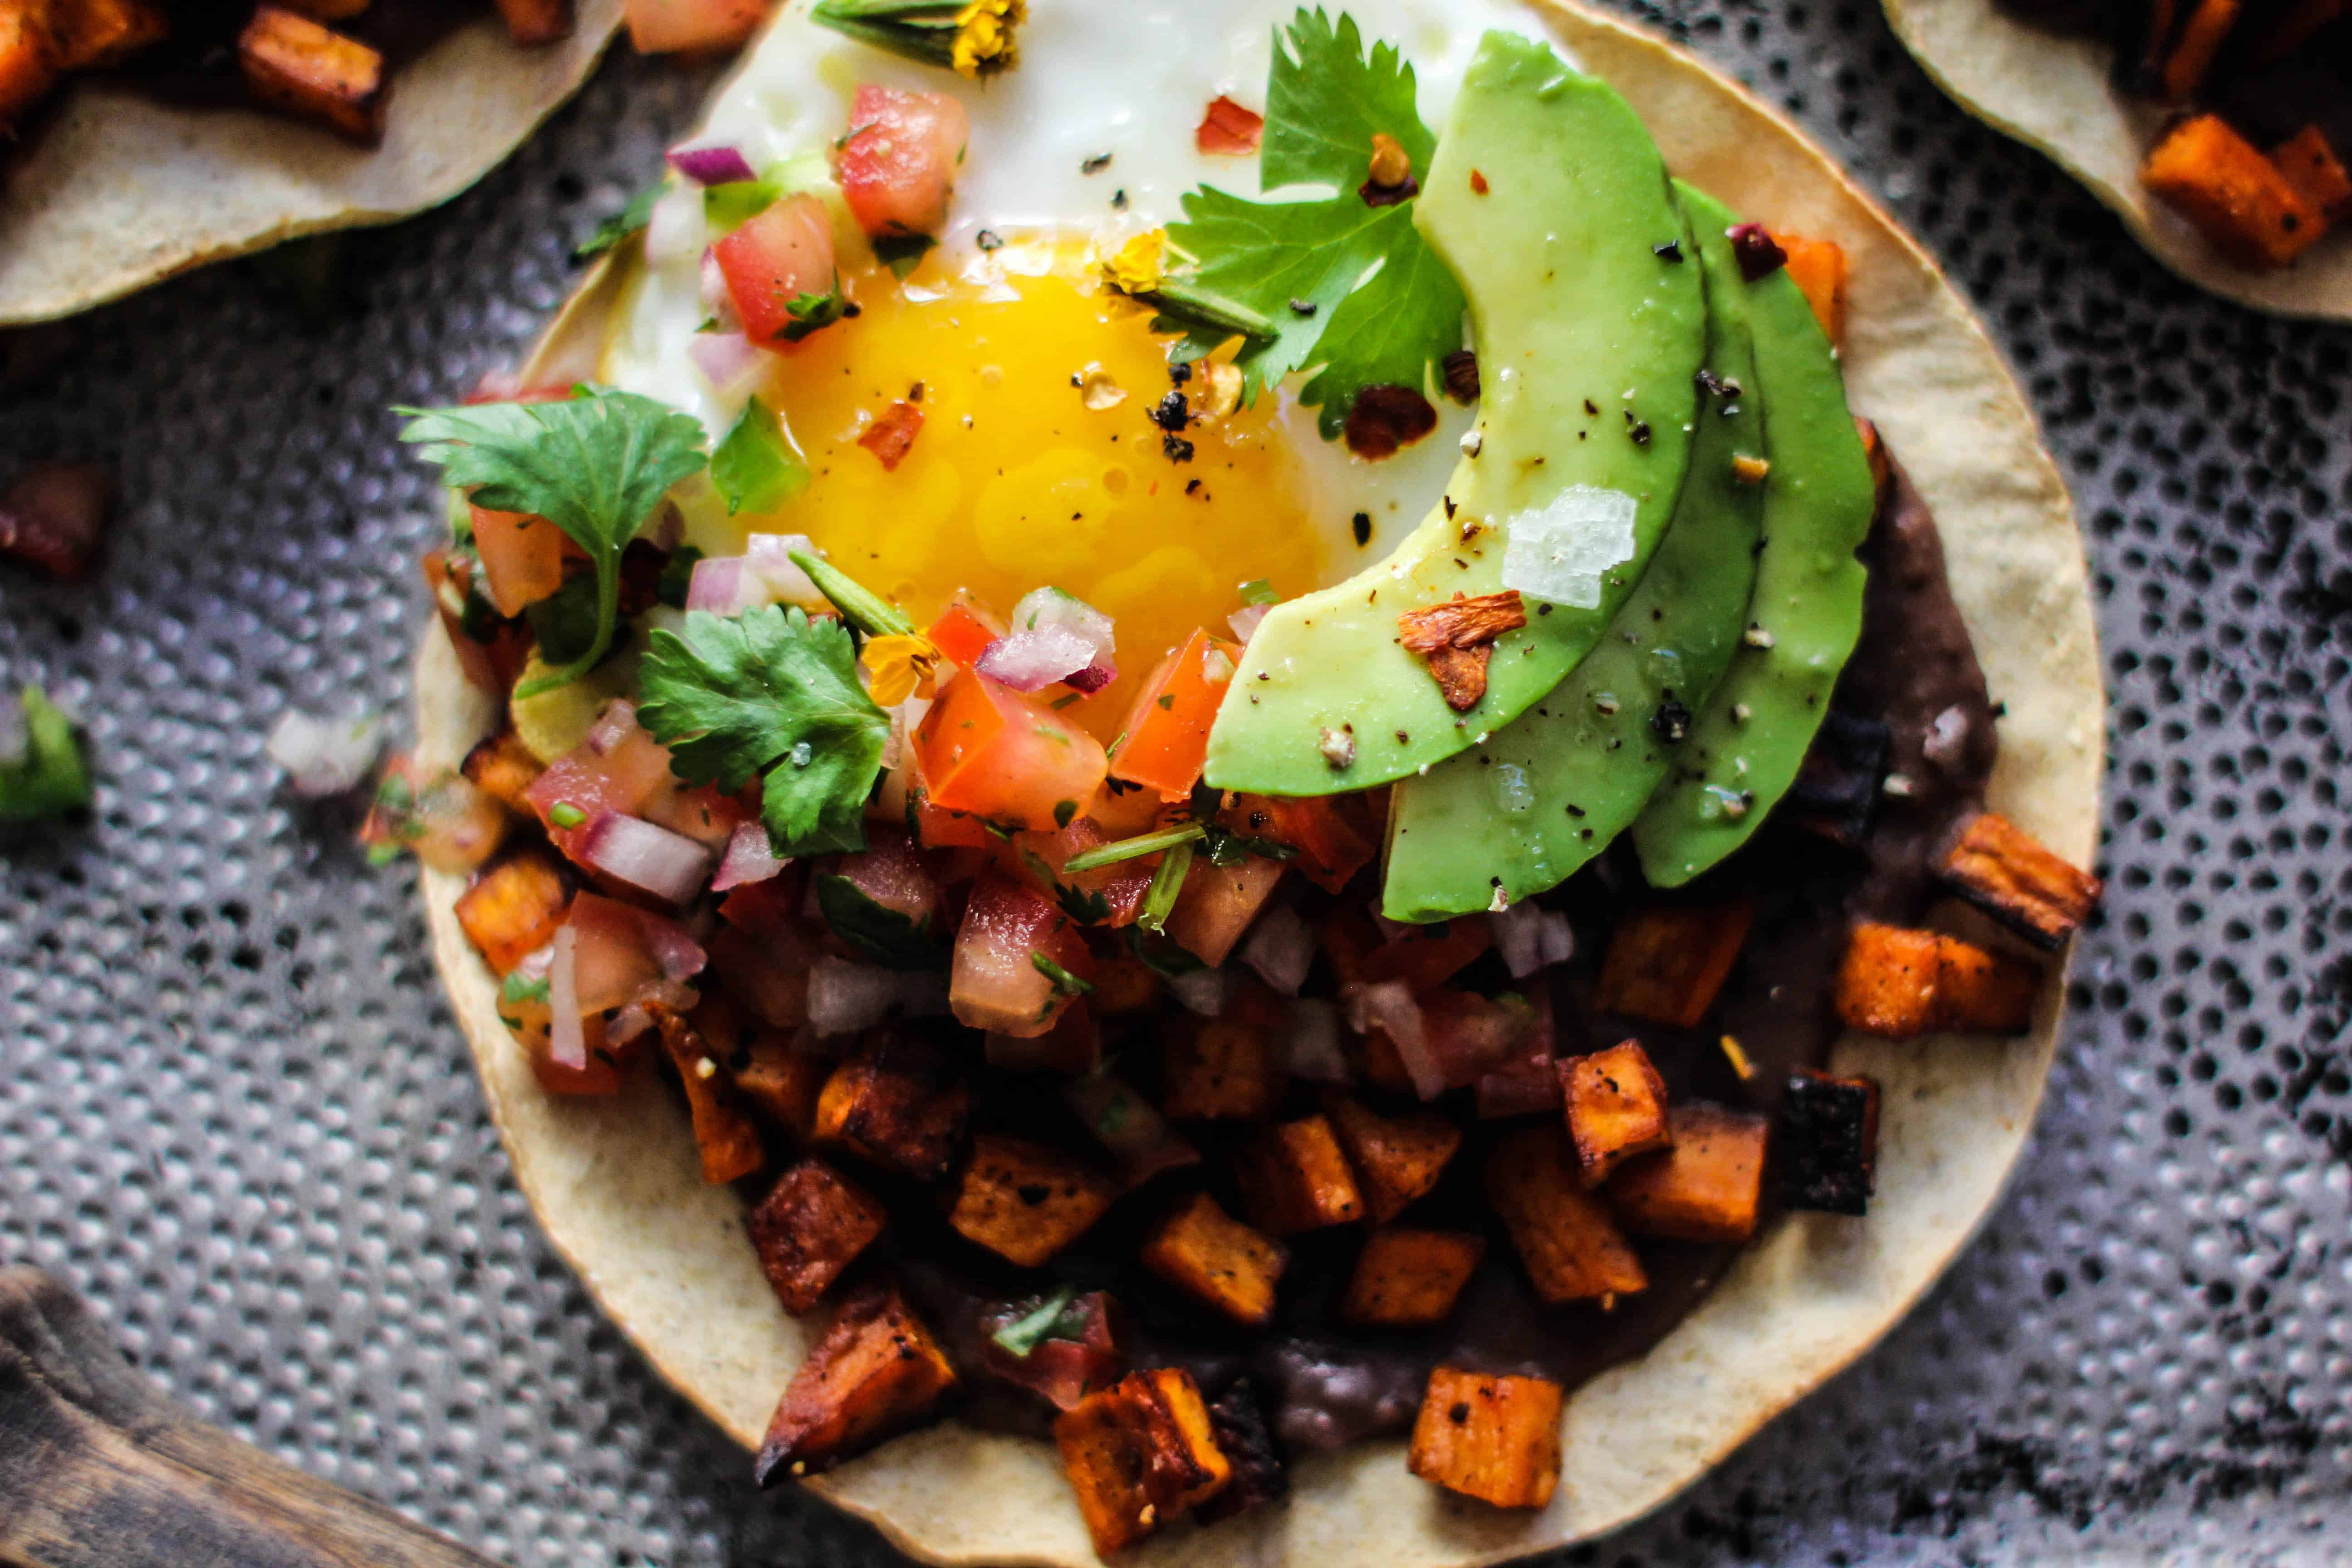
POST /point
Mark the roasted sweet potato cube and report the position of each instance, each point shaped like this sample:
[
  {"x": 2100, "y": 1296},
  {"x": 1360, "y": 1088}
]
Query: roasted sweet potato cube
[
  {"x": 1139, "y": 1453},
  {"x": 1666, "y": 962},
  {"x": 1828, "y": 1153},
  {"x": 1212, "y": 1257},
  {"x": 514, "y": 908},
  {"x": 533, "y": 22},
  {"x": 782, "y": 1083},
  {"x": 877, "y": 1369},
  {"x": 503, "y": 768},
  {"x": 1025, "y": 1202},
  {"x": 1408, "y": 1279},
  {"x": 723, "y": 1128},
  {"x": 106, "y": 32},
  {"x": 293, "y": 63},
  {"x": 329, "y": 10},
  {"x": 1616, "y": 1107},
  {"x": 2191, "y": 58},
  {"x": 1493, "y": 1438},
  {"x": 1397, "y": 1159},
  {"x": 30, "y": 58},
  {"x": 1985, "y": 992},
  {"x": 809, "y": 1228},
  {"x": 897, "y": 1105},
  {"x": 1573, "y": 1248},
  {"x": 1221, "y": 1069},
  {"x": 1237, "y": 1422},
  {"x": 2004, "y": 871},
  {"x": 1898, "y": 982},
  {"x": 1818, "y": 269},
  {"x": 1707, "y": 1184},
  {"x": 2237, "y": 199},
  {"x": 1294, "y": 1178},
  {"x": 2311, "y": 165}
]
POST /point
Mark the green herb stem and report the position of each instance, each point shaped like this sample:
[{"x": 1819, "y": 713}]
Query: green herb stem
[
  {"x": 1195, "y": 306},
  {"x": 1103, "y": 855},
  {"x": 1159, "y": 900},
  {"x": 858, "y": 605},
  {"x": 1026, "y": 1333}
]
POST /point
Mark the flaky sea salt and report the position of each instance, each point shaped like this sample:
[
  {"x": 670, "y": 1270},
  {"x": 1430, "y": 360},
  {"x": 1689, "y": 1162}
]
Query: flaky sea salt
[{"x": 1560, "y": 550}]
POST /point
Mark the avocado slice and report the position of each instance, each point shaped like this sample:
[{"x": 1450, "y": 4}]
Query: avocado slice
[
  {"x": 1748, "y": 741},
  {"x": 1525, "y": 810},
  {"x": 1550, "y": 203}
]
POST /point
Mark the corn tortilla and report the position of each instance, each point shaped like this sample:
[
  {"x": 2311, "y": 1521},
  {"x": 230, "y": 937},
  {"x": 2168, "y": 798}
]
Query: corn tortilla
[{"x": 617, "y": 1183}]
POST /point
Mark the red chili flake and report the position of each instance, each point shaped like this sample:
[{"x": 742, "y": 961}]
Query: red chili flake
[
  {"x": 1385, "y": 418},
  {"x": 1229, "y": 131},
  {"x": 1477, "y": 184},
  {"x": 1462, "y": 622},
  {"x": 53, "y": 515},
  {"x": 892, "y": 433},
  {"x": 1461, "y": 675},
  {"x": 1759, "y": 254}
]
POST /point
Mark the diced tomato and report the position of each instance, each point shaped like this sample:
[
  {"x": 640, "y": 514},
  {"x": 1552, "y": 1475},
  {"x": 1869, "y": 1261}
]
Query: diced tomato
[
  {"x": 939, "y": 828},
  {"x": 1121, "y": 885},
  {"x": 899, "y": 160},
  {"x": 1428, "y": 957},
  {"x": 1469, "y": 1036},
  {"x": 1167, "y": 731},
  {"x": 668, "y": 27},
  {"x": 1061, "y": 1370},
  {"x": 1073, "y": 1045},
  {"x": 443, "y": 819},
  {"x": 617, "y": 768},
  {"x": 601, "y": 1076},
  {"x": 522, "y": 558},
  {"x": 1218, "y": 903},
  {"x": 894, "y": 874},
  {"x": 1229, "y": 131},
  {"x": 1329, "y": 849},
  {"x": 964, "y": 630},
  {"x": 990, "y": 751},
  {"x": 493, "y": 663},
  {"x": 761, "y": 907},
  {"x": 702, "y": 814},
  {"x": 1123, "y": 810},
  {"x": 997, "y": 982},
  {"x": 779, "y": 257}
]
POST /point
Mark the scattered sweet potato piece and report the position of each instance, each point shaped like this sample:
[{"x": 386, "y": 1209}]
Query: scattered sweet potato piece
[
  {"x": 1139, "y": 1453},
  {"x": 295, "y": 64},
  {"x": 1397, "y": 1159},
  {"x": 1408, "y": 1279},
  {"x": 2004, "y": 871},
  {"x": 1493, "y": 1438},
  {"x": 1985, "y": 992},
  {"x": 2191, "y": 58},
  {"x": 1616, "y": 1107},
  {"x": 30, "y": 59},
  {"x": 1212, "y": 1257},
  {"x": 1025, "y": 1201},
  {"x": 503, "y": 768},
  {"x": 1898, "y": 982},
  {"x": 723, "y": 1126},
  {"x": 1665, "y": 962},
  {"x": 1222, "y": 1069},
  {"x": 783, "y": 1083},
  {"x": 514, "y": 908},
  {"x": 2309, "y": 161},
  {"x": 2237, "y": 199},
  {"x": 810, "y": 1227},
  {"x": 1828, "y": 1142},
  {"x": 1818, "y": 267},
  {"x": 897, "y": 1105},
  {"x": 106, "y": 32},
  {"x": 534, "y": 22},
  {"x": 877, "y": 1369},
  {"x": 1294, "y": 1178},
  {"x": 329, "y": 10},
  {"x": 1707, "y": 1184},
  {"x": 1572, "y": 1249}
]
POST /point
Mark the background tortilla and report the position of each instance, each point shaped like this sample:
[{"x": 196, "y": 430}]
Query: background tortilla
[
  {"x": 2052, "y": 91},
  {"x": 617, "y": 1183},
  {"x": 117, "y": 189}
]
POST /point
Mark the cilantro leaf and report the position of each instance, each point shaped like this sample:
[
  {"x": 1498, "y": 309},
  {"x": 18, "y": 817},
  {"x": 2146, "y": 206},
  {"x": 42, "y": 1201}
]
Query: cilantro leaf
[
  {"x": 593, "y": 466},
  {"x": 814, "y": 313},
  {"x": 1045, "y": 1321},
  {"x": 884, "y": 935},
  {"x": 757, "y": 467},
  {"x": 631, "y": 219},
  {"x": 773, "y": 694},
  {"x": 48, "y": 779},
  {"x": 728, "y": 208},
  {"x": 1326, "y": 99}
]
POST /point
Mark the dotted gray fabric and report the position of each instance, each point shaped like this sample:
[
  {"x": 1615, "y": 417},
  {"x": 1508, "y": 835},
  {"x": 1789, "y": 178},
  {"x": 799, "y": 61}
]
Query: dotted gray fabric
[{"x": 234, "y": 1112}]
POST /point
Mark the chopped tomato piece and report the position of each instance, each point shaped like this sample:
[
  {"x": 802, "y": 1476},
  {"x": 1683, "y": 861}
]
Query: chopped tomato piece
[
  {"x": 1329, "y": 849},
  {"x": 899, "y": 160},
  {"x": 1121, "y": 885},
  {"x": 990, "y": 751},
  {"x": 492, "y": 655},
  {"x": 617, "y": 769},
  {"x": 667, "y": 26},
  {"x": 784, "y": 254},
  {"x": 893, "y": 873},
  {"x": 1007, "y": 951},
  {"x": 1229, "y": 131},
  {"x": 522, "y": 558},
  {"x": 964, "y": 630},
  {"x": 1218, "y": 903},
  {"x": 1167, "y": 731},
  {"x": 935, "y": 827}
]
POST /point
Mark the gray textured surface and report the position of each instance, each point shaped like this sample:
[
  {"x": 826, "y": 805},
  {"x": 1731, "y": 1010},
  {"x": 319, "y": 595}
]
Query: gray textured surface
[{"x": 234, "y": 1110}]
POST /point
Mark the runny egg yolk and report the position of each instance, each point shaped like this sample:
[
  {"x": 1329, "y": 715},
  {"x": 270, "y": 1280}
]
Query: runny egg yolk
[{"x": 1038, "y": 461}]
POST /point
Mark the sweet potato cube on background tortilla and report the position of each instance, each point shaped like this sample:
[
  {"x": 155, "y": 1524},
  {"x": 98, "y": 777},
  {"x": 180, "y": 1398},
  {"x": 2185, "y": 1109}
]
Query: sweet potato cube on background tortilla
[
  {"x": 2313, "y": 167},
  {"x": 1818, "y": 269},
  {"x": 2237, "y": 199},
  {"x": 1898, "y": 982},
  {"x": 1707, "y": 1184},
  {"x": 533, "y": 22},
  {"x": 1493, "y": 1438},
  {"x": 1237, "y": 1422},
  {"x": 897, "y": 1105},
  {"x": 503, "y": 768},
  {"x": 1138, "y": 1454},
  {"x": 1397, "y": 1159},
  {"x": 30, "y": 59},
  {"x": 877, "y": 1369},
  {"x": 1213, "y": 1257},
  {"x": 782, "y": 1083},
  {"x": 1295, "y": 1178},
  {"x": 723, "y": 1128},
  {"x": 293, "y": 63},
  {"x": 1573, "y": 1248},
  {"x": 1666, "y": 962},
  {"x": 2004, "y": 871},
  {"x": 1222, "y": 1069},
  {"x": 1828, "y": 1142},
  {"x": 1616, "y": 1105},
  {"x": 1024, "y": 1201},
  {"x": 106, "y": 32},
  {"x": 809, "y": 1228},
  {"x": 1986, "y": 992},
  {"x": 1408, "y": 1279},
  {"x": 514, "y": 908}
]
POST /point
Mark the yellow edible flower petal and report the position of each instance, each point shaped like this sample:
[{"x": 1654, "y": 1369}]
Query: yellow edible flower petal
[
  {"x": 900, "y": 668},
  {"x": 983, "y": 42},
  {"x": 1136, "y": 269}
]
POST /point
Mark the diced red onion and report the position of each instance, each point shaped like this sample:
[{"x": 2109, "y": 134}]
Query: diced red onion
[
  {"x": 1523, "y": 1086},
  {"x": 1033, "y": 659},
  {"x": 1244, "y": 621},
  {"x": 768, "y": 556},
  {"x": 321, "y": 757},
  {"x": 1044, "y": 608},
  {"x": 717, "y": 301},
  {"x": 1280, "y": 948},
  {"x": 708, "y": 165},
  {"x": 627, "y": 1023},
  {"x": 905, "y": 720},
  {"x": 567, "y": 1042},
  {"x": 1531, "y": 938},
  {"x": 729, "y": 362},
  {"x": 676, "y": 230},
  {"x": 1388, "y": 1007},
  {"x": 1311, "y": 1051},
  {"x": 1203, "y": 991},
  {"x": 669, "y": 866},
  {"x": 680, "y": 956},
  {"x": 845, "y": 998},
  {"x": 612, "y": 727},
  {"x": 724, "y": 585},
  {"x": 751, "y": 857}
]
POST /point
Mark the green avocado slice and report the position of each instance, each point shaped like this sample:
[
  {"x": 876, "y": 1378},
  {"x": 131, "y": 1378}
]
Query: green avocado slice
[
  {"x": 1550, "y": 203},
  {"x": 1749, "y": 740},
  {"x": 1525, "y": 811}
]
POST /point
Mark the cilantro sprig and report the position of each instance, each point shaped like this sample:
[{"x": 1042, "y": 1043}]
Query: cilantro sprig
[
  {"x": 594, "y": 466},
  {"x": 44, "y": 775}
]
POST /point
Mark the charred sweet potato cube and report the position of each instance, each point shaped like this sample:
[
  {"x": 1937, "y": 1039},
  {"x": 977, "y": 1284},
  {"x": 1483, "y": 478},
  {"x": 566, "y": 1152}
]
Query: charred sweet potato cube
[
  {"x": 106, "y": 32},
  {"x": 1024, "y": 1201},
  {"x": 1294, "y": 1178},
  {"x": 2237, "y": 199},
  {"x": 1237, "y": 1422},
  {"x": 514, "y": 908},
  {"x": 897, "y": 1105},
  {"x": 1493, "y": 1438},
  {"x": 503, "y": 768},
  {"x": 2310, "y": 162},
  {"x": 809, "y": 1228},
  {"x": 1838, "y": 785},
  {"x": 876, "y": 1370},
  {"x": 2190, "y": 59},
  {"x": 533, "y": 22},
  {"x": 1665, "y": 962},
  {"x": 1828, "y": 1153},
  {"x": 1616, "y": 1107},
  {"x": 1898, "y": 982},
  {"x": 1213, "y": 1257},
  {"x": 294, "y": 64},
  {"x": 2003, "y": 870},
  {"x": 1222, "y": 1068},
  {"x": 782, "y": 1083},
  {"x": 1407, "y": 1278},
  {"x": 1707, "y": 1184},
  {"x": 1397, "y": 1159},
  {"x": 1818, "y": 269},
  {"x": 30, "y": 59},
  {"x": 723, "y": 1128},
  {"x": 1140, "y": 1453},
  {"x": 1573, "y": 1248}
]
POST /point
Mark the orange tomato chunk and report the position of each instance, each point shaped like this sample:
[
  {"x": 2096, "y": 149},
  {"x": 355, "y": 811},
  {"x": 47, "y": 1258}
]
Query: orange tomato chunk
[{"x": 1166, "y": 736}]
